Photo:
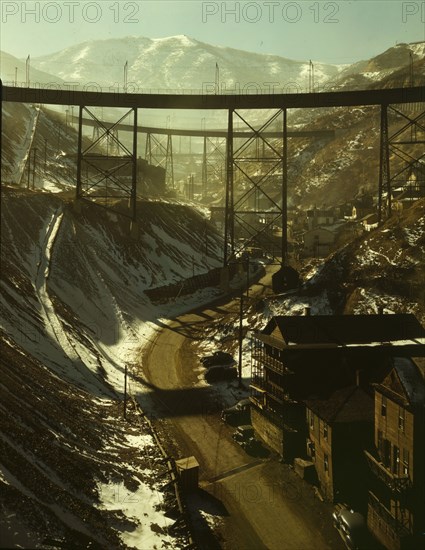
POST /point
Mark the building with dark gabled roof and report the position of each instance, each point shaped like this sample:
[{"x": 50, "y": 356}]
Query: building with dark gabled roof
[
  {"x": 348, "y": 330},
  {"x": 396, "y": 507},
  {"x": 294, "y": 358},
  {"x": 339, "y": 427}
]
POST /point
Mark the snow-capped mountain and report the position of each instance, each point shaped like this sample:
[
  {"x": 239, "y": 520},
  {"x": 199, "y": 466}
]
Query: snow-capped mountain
[{"x": 179, "y": 62}]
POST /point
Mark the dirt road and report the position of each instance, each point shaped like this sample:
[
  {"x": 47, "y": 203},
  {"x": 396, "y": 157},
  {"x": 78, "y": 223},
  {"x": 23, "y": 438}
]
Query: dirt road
[{"x": 259, "y": 502}]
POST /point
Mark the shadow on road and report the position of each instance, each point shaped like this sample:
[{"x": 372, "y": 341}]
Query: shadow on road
[
  {"x": 202, "y": 401},
  {"x": 205, "y": 511}
]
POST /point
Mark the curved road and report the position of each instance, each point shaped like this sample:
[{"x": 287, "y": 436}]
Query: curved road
[{"x": 260, "y": 502}]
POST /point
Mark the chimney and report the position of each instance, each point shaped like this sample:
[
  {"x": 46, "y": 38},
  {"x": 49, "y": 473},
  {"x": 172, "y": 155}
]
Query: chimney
[
  {"x": 380, "y": 310},
  {"x": 307, "y": 311},
  {"x": 357, "y": 378}
]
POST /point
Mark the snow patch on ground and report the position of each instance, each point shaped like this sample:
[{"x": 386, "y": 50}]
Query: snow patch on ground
[
  {"x": 147, "y": 524},
  {"x": 370, "y": 301}
]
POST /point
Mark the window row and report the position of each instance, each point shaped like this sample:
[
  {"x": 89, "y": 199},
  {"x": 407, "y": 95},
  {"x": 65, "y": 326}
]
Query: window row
[
  {"x": 401, "y": 413},
  {"x": 391, "y": 456}
]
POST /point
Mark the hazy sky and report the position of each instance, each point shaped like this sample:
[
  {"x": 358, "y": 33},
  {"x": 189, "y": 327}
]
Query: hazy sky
[{"x": 335, "y": 32}]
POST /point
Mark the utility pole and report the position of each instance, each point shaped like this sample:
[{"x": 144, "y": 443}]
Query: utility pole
[
  {"x": 45, "y": 154},
  {"x": 206, "y": 240},
  {"x": 125, "y": 392},
  {"x": 217, "y": 79},
  {"x": 241, "y": 321},
  {"x": 16, "y": 76},
  {"x": 240, "y": 339},
  {"x": 27, "y": 68},
  {"x": 34, "y": 163},
  {"x": 28, "y": 168},
  {"x": 247, "y": 276},
  {"x": 311, "y": 77},
  {"x": 125, "y": 76}
]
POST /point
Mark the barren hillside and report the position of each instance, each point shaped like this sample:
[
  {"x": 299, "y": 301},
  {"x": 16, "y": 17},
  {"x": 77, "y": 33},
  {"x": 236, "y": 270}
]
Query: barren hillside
[
  {"x": 73, "y": 315},
  {"x": 384, "y": 268}
]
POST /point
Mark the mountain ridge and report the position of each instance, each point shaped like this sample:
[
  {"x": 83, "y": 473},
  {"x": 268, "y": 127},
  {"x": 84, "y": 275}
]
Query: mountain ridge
[{"x": 182, "y": 62}]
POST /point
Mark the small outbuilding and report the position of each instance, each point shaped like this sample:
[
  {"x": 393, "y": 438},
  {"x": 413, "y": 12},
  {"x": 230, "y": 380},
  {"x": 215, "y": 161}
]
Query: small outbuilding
[{"x": 188, "y": 473}]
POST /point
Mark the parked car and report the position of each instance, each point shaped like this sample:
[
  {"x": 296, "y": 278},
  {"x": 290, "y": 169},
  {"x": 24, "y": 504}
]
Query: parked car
[
  {"x": 239, "y": 413},
  {"x": 243, "y": 433},
  {"x": 217, "y": 358},
  {"x": 352, "y": 527},
  {"x": 221, "y": 372}
]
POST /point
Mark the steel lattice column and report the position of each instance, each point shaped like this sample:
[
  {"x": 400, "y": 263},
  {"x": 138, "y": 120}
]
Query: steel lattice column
[
  {"x": 256, "y": 188},
  {"x": 406, "y": 151},
  {"x": 213, "y": 161},
  {"x": 384, "y": 164},
  {"x": 159, "y": 154},
  {"x": 106, "y": 182},
  {"x": 285, "y": 190},
  {"x": 404, "y": 146},
  {"x": 228, "y": 213},
  {"x": 79, "y": 153},
  {"x": 133, "y": 198}
]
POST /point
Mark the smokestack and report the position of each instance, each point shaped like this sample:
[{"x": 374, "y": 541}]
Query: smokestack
[
  {"x": 381, "y": 310},
  {"x": 357, "y": 378},
  {"x": 307, "y": 311}
]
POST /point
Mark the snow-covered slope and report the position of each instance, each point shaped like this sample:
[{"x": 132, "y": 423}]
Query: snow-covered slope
[
  {"x": 382, "y": 269},
  {"x": 73, "y": 315},
  {"x": 382, "y": 67},
  {"x": 12, "y": 68},
  {"x": 53, "y": 147},
  {"x": 74, "y": 284}
]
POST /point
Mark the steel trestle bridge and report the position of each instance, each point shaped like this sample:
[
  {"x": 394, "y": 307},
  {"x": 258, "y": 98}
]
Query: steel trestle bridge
[{"x": 239, "y": 210}]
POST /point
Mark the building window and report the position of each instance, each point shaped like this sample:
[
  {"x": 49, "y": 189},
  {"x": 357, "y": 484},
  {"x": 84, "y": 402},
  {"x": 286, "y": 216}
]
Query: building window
[
  {"x": 396, "y": 459},
  {"x": 326, "y": 462},
  {"x": 311, "y": 449},
  {"x": 311, "y": 421},
  {"x": 405, "y": 462},
  {"x": 325, "y": 431},
  {"x": 386, "y": 452},
  {"x": 401, "y": 418},
  {"x": 380, "y": 443},
  {"x": 384, "y": 406}
]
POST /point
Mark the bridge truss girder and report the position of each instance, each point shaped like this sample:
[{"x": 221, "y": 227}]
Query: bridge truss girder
[
  {"x": 102, "y": 178},
  {"x": 108, "y": 139},
  {"x": 159, "y": 152},
  {"x": 253, "y": 211},
  {"x": 213, "y": 161},
  {"x": 405, "y": 144}
]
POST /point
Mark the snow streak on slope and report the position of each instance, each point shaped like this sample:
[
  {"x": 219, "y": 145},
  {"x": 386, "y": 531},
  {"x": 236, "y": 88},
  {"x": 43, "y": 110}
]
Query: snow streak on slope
[
  {"x": 84, "y": 281},
  {"x": 53, "y": 148}
]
